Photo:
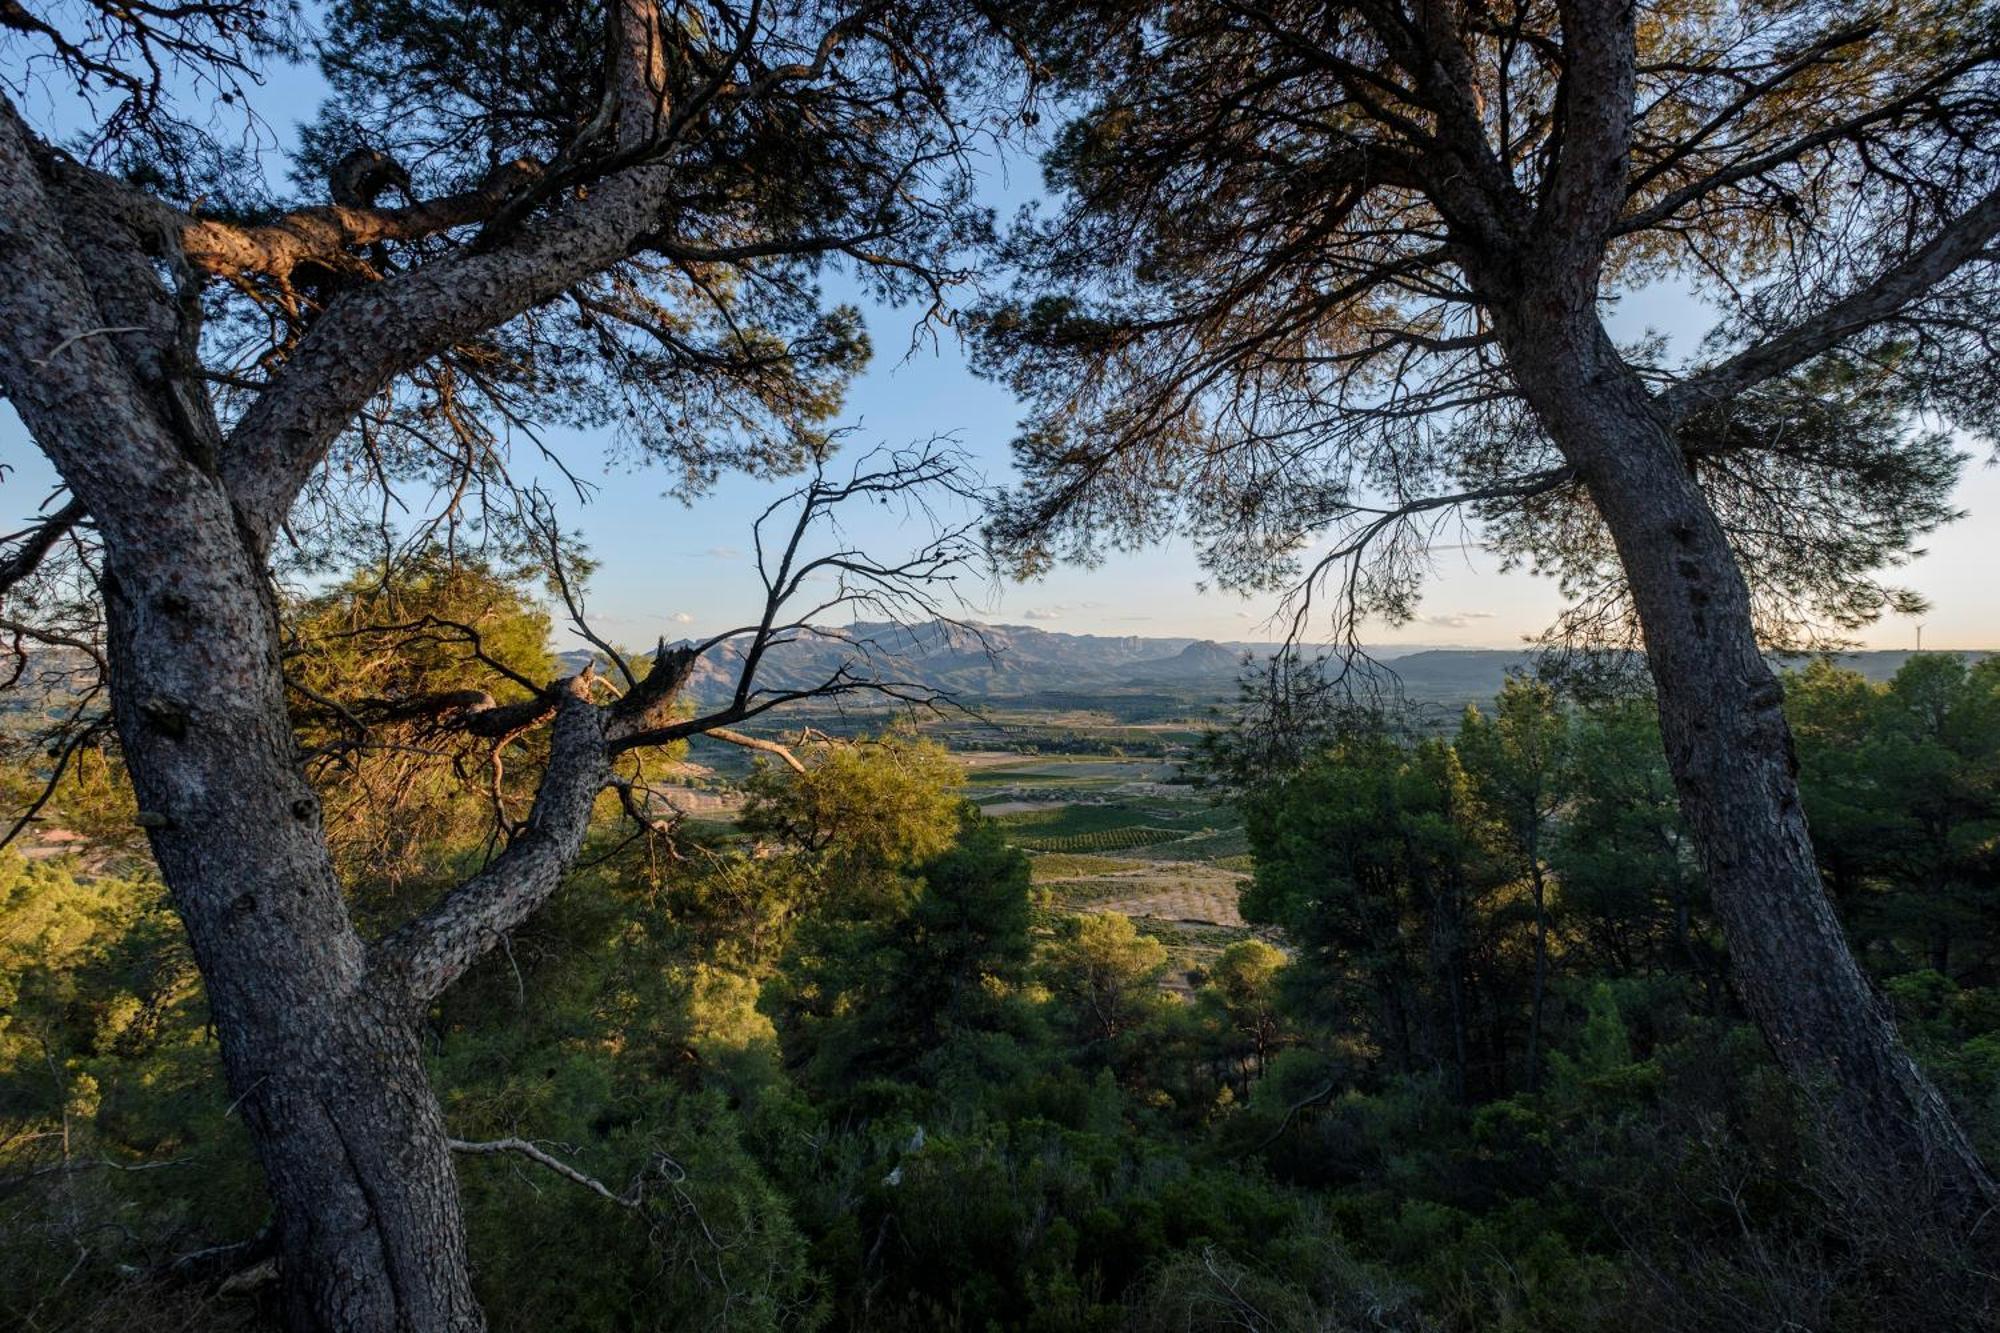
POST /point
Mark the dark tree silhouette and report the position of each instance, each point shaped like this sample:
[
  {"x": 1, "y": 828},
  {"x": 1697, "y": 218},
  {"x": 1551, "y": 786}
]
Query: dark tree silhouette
[{"x": 1343, "y": 269}]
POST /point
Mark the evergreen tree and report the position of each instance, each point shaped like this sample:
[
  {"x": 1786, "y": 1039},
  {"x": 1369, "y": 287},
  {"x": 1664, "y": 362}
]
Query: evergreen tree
[
  {"x": 1320, "y": 275},
  {"x": 1519, "y": 762}
]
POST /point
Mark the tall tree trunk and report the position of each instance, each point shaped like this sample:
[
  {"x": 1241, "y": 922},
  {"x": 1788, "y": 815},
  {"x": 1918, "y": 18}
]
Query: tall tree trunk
[
  {"x": 322, "y": 1061},
  {"x": 1730, "y": 751},
  {"x": 1539, "y": 884},
  {"x": 324, "y": 1067},
  {"x": 1447, "y": 961}
]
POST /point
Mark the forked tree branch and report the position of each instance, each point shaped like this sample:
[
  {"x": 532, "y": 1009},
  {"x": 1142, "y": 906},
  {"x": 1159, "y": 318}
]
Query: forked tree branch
[
  {"x": 35, "y": 542},
  {"x": 425, "y": 956},
  {"x": 328, "y": 237},
  {"x": 1963, "y": 241},
  {"x": 373, "y": 334}
]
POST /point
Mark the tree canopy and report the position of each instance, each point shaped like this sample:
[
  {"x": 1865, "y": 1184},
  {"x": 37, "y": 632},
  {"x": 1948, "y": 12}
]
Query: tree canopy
[
  {"x": 1280, "y": 234},
  {"x": 1567, "y": 1018}
]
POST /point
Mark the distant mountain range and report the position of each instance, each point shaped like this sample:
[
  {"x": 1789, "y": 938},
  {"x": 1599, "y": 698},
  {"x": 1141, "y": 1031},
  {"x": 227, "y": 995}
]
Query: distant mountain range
[
  {"x": 1020, "y": 661},
  {"x": 984, "y": 661}
]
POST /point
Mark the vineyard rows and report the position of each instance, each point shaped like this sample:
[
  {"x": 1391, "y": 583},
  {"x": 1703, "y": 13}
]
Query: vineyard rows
[{"x": 1099, "y": 840}]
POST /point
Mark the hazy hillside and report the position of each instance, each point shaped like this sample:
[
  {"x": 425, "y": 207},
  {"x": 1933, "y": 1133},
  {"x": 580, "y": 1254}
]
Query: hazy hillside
[
  {"x": 1013, "y": 661},
  {"x": 997, "y": 661}
]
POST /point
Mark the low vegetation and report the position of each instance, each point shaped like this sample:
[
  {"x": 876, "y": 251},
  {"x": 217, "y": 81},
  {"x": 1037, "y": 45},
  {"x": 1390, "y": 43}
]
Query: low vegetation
[
  {"x": 368, "y": 966},
  {"x": 844, "y": 1066}
]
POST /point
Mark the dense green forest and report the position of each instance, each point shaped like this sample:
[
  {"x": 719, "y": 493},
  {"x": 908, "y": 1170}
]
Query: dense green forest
[
  {"x": 385, "y": 949},
  {"x": 844, "y": 1064}
]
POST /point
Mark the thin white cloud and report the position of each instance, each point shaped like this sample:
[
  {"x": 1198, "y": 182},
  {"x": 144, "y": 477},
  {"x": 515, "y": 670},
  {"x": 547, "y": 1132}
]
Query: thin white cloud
[
  {"x": 681, "y": 618},
  {"x": 1057, "y": 610},
  {"x": 1456, "y": 619},
  {"x": 723, "y": 553}
]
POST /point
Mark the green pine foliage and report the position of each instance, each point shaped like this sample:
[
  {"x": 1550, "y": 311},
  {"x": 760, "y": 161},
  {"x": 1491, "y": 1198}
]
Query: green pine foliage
[{"x": 842, "y": 1069}]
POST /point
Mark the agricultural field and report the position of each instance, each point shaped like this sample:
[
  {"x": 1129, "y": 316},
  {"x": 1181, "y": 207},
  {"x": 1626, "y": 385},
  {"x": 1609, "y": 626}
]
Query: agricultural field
[
  {"x": 1063, "y": 868},
  {"x": 1069, "y": 771},
  {"x": 1124, "y": 831},
  {"x": 1112, "y": 821},
  {"x": 1123, "y": 836},
  {"x": 1084, "y": 828}
]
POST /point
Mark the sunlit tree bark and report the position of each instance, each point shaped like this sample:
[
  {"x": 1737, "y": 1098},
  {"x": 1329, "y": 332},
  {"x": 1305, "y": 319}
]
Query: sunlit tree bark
[{"x": 189, "y": 374}]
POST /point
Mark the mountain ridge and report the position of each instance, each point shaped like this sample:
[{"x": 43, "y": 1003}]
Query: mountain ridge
[{"x": 1001, "y": 661}]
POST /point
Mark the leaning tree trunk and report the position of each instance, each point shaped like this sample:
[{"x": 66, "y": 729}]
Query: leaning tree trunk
[
  {"x": 322, "y": 1063},
  {"x": 330, "y": 1084},
  {"x": 1730, "y": 751},
  {"x": 325, "y": 1068}
]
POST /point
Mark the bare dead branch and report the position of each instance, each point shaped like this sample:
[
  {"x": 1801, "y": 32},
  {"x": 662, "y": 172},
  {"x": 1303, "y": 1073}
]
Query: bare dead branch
[
  {"x": 759, "y": 743},
  {"x": 633, "y": 1195}
]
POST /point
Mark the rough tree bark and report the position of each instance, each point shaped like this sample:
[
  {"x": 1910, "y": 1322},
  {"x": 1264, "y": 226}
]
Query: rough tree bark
[
  {"x": 1729, "y": 749},
  {"x": 361, "y": 1182},
  {"x": 318, "y": 1027},
  {"x": 1397, "y": 191},
  {"x": 325, "y": 1068},
  {"x": 1722, "y": 718}
]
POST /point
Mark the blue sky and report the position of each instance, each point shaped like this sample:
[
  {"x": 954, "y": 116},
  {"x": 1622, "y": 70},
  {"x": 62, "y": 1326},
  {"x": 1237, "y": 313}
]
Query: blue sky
[
  {"x": 673, "y": 568},
  {"x": 640, "y": 537}
]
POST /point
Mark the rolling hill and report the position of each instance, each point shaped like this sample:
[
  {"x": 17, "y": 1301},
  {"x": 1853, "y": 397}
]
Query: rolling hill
[{"x": 1020, "y": 662}]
